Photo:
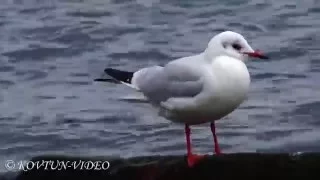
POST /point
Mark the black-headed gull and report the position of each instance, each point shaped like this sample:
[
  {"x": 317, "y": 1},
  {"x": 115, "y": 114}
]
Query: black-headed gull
[{"x": 197, "y": 89}]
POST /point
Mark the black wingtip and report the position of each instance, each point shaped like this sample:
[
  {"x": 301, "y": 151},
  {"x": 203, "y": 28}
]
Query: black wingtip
[
  {"x": 119, "y": 75},
  {"x": 107, "y": 70},
  {"x": 105, "y": 80}
]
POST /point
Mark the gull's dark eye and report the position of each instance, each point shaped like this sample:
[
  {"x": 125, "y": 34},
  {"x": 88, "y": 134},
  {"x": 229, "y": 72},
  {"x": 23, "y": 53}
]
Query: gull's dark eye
[{"x": 236, "y": 46}]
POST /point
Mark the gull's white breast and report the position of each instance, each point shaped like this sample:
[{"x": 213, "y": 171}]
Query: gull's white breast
[{"x": 230, "y": 81}]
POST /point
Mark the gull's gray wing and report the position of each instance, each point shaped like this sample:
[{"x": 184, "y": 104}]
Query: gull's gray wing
[{"x": 173, "y": 80}]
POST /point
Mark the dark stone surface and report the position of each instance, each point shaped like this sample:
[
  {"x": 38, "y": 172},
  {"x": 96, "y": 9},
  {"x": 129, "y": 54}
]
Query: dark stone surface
[{"x": 227, "y": 166}]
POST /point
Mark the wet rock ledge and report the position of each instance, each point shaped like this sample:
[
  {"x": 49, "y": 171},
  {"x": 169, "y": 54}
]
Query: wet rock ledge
[{"x": 227, "y": 166}]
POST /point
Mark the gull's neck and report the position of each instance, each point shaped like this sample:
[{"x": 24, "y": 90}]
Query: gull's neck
[
  {"x": 212, "y": 52},
  {"x": 208, "y": 55}
]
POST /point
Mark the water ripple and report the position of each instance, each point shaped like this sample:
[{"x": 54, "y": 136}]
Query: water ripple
[
  {"x": 34, "y": 54},
  {"x": 51, "y": 52}
]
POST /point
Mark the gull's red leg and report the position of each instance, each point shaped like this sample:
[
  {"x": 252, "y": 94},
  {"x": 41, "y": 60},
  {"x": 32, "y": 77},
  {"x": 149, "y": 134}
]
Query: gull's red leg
[
  {"x": 192, "y": 158},
  {"x": 215, "y": 139},
  {"x": 188, "y": 132}
]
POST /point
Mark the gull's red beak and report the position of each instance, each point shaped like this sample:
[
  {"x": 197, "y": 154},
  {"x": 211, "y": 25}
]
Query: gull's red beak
[{"x": 256, "y": 54}]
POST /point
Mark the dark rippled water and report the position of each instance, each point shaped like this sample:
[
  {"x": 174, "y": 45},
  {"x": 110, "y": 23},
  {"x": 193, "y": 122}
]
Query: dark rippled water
[{"x": 52, "y": 50}]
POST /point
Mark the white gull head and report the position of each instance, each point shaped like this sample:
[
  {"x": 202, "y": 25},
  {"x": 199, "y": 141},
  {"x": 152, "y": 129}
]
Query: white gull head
[{"x": 231, "y": 44}]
